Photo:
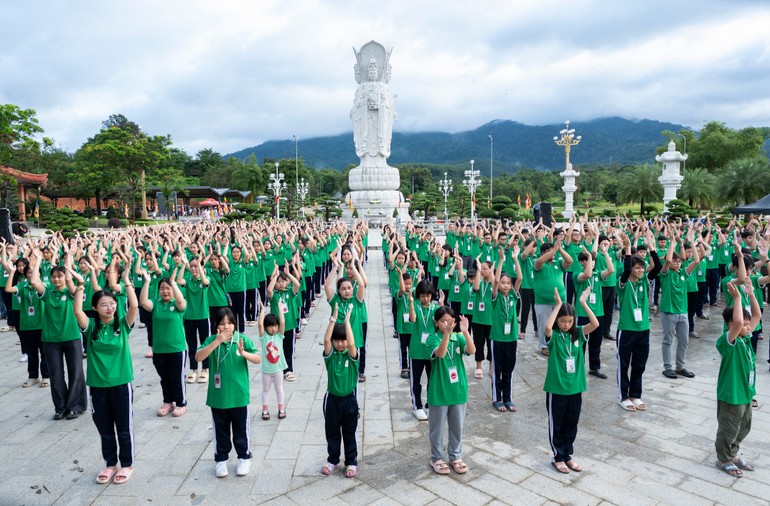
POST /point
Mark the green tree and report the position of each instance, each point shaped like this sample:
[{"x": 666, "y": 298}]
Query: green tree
[
  {"x": 716, "y": 144},
  {"x": 744, "y": 181},
  {"x": 698, "y": 188},
  {"x": 640, "y": 184},
  {"x": 18, "y": 128}
]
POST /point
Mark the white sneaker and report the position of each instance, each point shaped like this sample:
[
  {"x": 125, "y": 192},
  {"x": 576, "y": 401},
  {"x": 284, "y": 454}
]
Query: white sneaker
[
  {"x": 221, "y": 469},
  {"x": 420, "y": 414},
  {"x": 23, "y": 358},
  {"x": 244, "y": 465}
]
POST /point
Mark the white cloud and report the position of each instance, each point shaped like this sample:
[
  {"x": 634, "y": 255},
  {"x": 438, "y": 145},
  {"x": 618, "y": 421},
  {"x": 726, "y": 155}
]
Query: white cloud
[{"x": 232, "y": 74}]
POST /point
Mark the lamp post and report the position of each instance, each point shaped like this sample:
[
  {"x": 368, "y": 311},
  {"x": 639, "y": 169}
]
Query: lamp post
[
  {"x": 491, "y": 159},
  {"x": 276, "y": 185},
  {"x": 684, "y": 161},
  {"x": 296, "y": 163},
  {"x": 302, "y": 191},
  {"x": 567, "y": 139},
  {"x": 445, "y": 185},
  {"x": 472, "y": 182}
]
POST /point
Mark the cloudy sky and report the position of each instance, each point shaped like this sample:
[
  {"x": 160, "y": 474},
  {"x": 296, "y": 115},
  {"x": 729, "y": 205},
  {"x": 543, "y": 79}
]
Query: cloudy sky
[{"x": 228, "y": 74}]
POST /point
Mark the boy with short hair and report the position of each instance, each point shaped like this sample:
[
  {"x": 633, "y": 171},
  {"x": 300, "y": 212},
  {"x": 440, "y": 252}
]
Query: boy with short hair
[
  {"x": 736, "y": 384},
  {"x": 340, "y": 403}
]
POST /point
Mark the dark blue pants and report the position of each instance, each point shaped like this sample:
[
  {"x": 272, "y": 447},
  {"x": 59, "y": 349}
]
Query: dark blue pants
[
  {"x": 563, "y": 417},
  {"x": 238, "y": 306},
  {"x": 113, "y": 415},
  {"x": 238, "y": 420},
  {"x": 170, "y": 368},
  {"x": 32, "y": 345},
  {"x": 594, "y": 339},
  {"x": 341, "y": 421},
  {"x": 196, "y": 332},
  {"x": 712, "y": 284},
  {"x": 503, "y": 362}
]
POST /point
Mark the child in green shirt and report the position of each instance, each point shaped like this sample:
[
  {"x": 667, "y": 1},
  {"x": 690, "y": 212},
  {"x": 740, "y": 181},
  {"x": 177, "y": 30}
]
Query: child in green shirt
[
  {"x": 228, "y": 392},
  {"x": 340, "y": 403}
]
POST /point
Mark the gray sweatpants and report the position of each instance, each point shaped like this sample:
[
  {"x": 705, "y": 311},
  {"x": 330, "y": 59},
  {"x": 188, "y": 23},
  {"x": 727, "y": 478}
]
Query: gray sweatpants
[
  {"x": 453, "y": 416},
  {"x": 542, "y": 312},
  {"x": 674, "y": 325}
]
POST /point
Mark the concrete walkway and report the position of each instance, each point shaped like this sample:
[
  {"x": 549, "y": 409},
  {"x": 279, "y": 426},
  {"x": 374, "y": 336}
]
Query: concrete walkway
[{"x": 662, "y": 456}]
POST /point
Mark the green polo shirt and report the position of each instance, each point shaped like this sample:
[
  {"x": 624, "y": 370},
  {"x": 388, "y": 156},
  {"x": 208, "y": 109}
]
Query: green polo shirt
[
  {"x": 108, "y": 362},
  {"x": 217, "y": 295},
  {"x": 504, "y": 318},
  {"x": 594, "y": 285},
  {"x": 559, "y": 379},
  {"x": 167, "y": 327},
  {"x": 673, "y": 291},
  {"x": 421, "y": 331},
  {"x": 285, "y": 302},
  {"x": 30, "y": 307},
  {"x": 482, "y": 308},
  {"x": 634, "y": 296},
  {"x": 736, "y": 383},
  {"x": 448, "y": 385},
  {"x": 233, "y": 372},
  {"x": 59, "y": 322},
  {"x": 341, "y": 373},
  {"x": 356, "y": 318},
  {"x": 196, "y": 295},
  {"x": 549, "y": 276}
]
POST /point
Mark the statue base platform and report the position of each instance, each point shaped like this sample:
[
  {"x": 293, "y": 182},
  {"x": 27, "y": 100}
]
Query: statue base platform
[{"x": 377, "y": 206}]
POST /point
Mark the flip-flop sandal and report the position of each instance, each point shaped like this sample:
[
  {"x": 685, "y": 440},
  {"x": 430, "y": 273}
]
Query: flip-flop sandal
[
  {"x": 440, "y": 467},
  {"x": 106, "y": 474},
  {"x": 731, "y": 469},
  {"x": 573, "y": 465},
  {"x": 351, "y": 472},
  {"x": 266, "y": 415},
  {"x": 627, "y": 405},
  {"x": 561, "y": 467},
  {"x": 123, "y": 475},
  {"x": 639, "y": 405},
  {"x": 742, "y": 464},
  {"x": 478, "y": 374},
  {"x": 511, "y": 407},
  {"x": 499, "y": 406},
  {"x": 281, "y": 414},
  {"x": 754, "y": 403},
  {"x": 328, "y": 469},
  {"x": 459, "y": 466}
]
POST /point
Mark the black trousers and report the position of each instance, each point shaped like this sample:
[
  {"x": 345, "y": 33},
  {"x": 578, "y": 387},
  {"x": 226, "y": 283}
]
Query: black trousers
[
  {"x": 144, "y": 317},
  {"x": 527, "y": 305},
  {"x": 251, "y": 304},
  {"x": 594, "y": 340},
  {"x": 307, "y": 296},
  {"x": 263, "y": 291},
  {"x": 692, "y": 309},
  {"x": 113, "y": 415},
  {"x": 288, "y": 349},
  {"x": 170, "y": 368},
  {"x": 503, "y": 363},
  {"x": 481, "y": 338},
  {"x": 712, "y": 285},
  {"x": 608, "y": 301},
  {"x": 69, "y": 395},
  {"x": 403, "y": 342},
  {"x": 656, "y": 290},
  {"x": 238, "y": 306},
  {"x": 196, "y": 332},
  {"x": 569, "y": 283},
  {"x": 238, "y": 420},
  {"x": 703, "y": 293},
  {"x": 633, "y": 350},
  {"x": 32, "y": 345},
  {"x": 340, "y": 422},
  {"x": 418, "y": 365},
  {"x": 563, "y": 417},
  {"x": 362, "y": 349}
]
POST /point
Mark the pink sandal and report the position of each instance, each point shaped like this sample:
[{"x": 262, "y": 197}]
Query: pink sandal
[{"x": 165, "y": 409}]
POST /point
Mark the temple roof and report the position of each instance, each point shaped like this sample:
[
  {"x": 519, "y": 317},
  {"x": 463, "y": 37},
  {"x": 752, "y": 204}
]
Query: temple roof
[{"x": 25, "y": 178}]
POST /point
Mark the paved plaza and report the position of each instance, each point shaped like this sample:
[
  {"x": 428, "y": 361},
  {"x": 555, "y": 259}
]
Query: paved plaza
[{"x": 662, "y": 456}]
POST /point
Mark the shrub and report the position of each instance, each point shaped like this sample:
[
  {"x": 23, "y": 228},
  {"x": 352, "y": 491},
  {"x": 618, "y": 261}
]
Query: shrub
[
  {"x": 115, "y": 223},
  {"x": 88, "y": 212},
  {"x": 112, "y": 212}
]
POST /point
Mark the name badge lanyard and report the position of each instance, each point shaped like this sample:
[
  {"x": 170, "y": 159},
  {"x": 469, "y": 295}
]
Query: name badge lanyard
[
  {"x": 507, "y": 309},
  {"x": 484, "y": 288},
  {"x": 424, "y": 312},
  {"x": 570, "y": 360}
]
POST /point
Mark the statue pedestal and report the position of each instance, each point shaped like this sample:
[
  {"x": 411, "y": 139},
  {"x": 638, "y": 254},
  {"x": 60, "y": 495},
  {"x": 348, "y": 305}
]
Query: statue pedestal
[{"x": 377, "y": 206}]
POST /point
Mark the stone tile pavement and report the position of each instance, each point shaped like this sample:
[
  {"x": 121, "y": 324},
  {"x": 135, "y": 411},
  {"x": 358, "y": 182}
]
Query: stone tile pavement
[{"x": 662, "y": 456}]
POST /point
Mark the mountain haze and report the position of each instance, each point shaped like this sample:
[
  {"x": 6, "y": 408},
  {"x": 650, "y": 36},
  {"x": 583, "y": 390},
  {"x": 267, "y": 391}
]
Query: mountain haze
[{"x": 605, "y": 140}]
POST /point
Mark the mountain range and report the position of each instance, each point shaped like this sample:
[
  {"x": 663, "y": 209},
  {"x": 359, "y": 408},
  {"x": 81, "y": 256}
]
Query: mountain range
[{"x": 516, "y": 145}]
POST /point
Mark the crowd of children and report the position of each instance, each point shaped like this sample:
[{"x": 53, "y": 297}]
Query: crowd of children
[{"x": 196, "y": 287}]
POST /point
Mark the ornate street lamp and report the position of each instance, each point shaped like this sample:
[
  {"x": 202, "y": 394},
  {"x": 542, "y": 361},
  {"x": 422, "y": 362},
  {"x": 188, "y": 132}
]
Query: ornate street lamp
[
  {"x": 445, "y": 185},
  {"x": 472, "y": 182},
  {"x": 567, "y": 139},
  {"x": 277, "y": 185}
]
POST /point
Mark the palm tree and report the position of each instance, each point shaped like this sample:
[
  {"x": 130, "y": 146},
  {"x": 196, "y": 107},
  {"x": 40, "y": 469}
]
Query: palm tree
[
  {"x": 698, "y": 187},
  {"x": 640, "y": 184},
  {"x": 744, "y": 181}
]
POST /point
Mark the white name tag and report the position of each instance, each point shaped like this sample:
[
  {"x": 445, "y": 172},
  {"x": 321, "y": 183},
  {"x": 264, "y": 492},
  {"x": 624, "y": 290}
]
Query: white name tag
[
  {"x": 507, "y": 328},
  {"x": 638, "y": 315},
  {"x": 457, "y": 288},
  {"x": 592, "y": 298},
  {"x": 481, "y": 306},
  {"x": 424, "y": 337},
  {"x": 31, "y": 311},
  {"x": 453, "y": 377},
  {"x": 217, "y": 381},
  {"x": 751, "y": 378},
  {"x": 470, "y": 306},
  {"x": 570, "y": 365},
  {"x": 406, "y": 317}
]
